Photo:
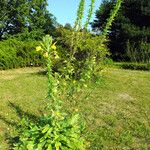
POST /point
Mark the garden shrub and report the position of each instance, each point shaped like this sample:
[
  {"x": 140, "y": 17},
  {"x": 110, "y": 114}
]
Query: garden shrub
[
  {"x": 15, "y": 53},
  {"x": 85, "y": 52},
  {"x": 138, "y": 52},
  {"x": 148, "y": 66},
  {"x": 108, "y": 62},
  {"x": 87, "y": 47},
  {"x": 134, "y": 66}
]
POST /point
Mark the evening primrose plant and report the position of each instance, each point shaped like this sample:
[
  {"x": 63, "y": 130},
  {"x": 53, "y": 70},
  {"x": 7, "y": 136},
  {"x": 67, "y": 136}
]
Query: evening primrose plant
[
  {"x": 58, "y": 130},
  {"x": 48, "y": 49},
  {"x": 87, "y": 50}
]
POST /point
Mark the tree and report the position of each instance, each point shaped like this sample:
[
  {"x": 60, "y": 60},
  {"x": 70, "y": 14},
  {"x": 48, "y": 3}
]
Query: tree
[
  {"x": 20, "y": 16},
  {"x": 68, "y": 26},
  {"x": 130, "y": 26}
]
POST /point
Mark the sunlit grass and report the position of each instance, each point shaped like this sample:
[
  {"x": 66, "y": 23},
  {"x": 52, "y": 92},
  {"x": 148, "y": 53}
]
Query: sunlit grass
[{"x": 117, "y": 111}]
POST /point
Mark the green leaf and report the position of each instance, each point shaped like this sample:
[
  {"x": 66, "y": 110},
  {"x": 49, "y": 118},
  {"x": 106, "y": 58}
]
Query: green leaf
[
  {"x": 40, "y": 146},
  {"x": 74, "y": 119},
  {"x": 46, "y": 128},
  {"x": 30, "y": 145},
  {"x": 57, "y": 145},
  {"x": 49, "y": 147}
]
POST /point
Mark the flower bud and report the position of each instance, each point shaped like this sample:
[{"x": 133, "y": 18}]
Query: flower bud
[
  {"x": 45, "y": 55},
  {"x": 38, "y": 48}
]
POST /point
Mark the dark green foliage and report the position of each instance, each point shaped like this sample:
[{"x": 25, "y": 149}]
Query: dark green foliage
[
  {"x": 108, "y": 62},
  {"x": 134, "y": 66},
  {"x": 19, "y": 16},
  {"x": 15, "y": 53},
  {"x": 138, "y": 52},
  {"x": 68, "y": 26},
  {"x": 27, "y": 36},
  {"x": 22, "y": 22},
  {"x": 131, "y": 24}
]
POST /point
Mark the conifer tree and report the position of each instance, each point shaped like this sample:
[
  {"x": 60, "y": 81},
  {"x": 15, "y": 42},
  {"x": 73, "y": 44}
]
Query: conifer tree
[{"x": 130, "y": 28}]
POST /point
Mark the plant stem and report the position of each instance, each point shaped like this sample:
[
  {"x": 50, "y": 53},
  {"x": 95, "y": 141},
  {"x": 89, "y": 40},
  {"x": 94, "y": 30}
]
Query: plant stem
[{"x": 50, "y": 81}]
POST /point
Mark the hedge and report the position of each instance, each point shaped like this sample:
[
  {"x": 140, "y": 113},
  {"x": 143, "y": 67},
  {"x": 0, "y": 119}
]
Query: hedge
[
  {"x": 15, "y": 53},
  {"x": 134, "y": 66}
]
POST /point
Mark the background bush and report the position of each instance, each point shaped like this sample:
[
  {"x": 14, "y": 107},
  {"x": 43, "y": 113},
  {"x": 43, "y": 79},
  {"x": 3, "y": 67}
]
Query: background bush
[
  {"x": 15, "y": 53},
  {"x": 138, "y": 52},
  {"x": 83, "y": 50},
  {"x": 134, "y": 66}
]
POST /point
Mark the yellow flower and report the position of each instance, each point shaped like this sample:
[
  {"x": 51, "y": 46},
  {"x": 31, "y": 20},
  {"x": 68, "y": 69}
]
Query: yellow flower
[
  {"x": 53, "y": 46},
  {"x": 38, "y": 48},
  {"x": 45, "y": 55}
]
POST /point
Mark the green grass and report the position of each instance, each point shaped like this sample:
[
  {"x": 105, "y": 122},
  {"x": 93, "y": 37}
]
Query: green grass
[{"x": 117, "y": 111}]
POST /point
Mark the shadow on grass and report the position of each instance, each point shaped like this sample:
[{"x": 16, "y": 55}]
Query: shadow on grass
[
  {"x": 40, "y": 73},
  {"x": 14, "y": 124},
  {"x": 43, "y": 72},
  {"x": 21, "y": 113}
]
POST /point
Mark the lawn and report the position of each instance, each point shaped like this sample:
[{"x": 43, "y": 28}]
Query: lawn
[{"x": 116, "y": 111}]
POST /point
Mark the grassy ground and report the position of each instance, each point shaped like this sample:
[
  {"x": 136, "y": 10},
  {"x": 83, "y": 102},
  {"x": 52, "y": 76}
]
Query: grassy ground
[{"x": 117, "y": 111}]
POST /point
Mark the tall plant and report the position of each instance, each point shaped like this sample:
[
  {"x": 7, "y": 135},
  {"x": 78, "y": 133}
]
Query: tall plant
[
  {"x": 77, "y": 34},
  {"x": 56, "y": 131},
  {"x": 86, "y": 50},
  {"x": 90, "y": 13},
  {"x": 80, "y": 14},
  {"x": 113, "y": 13},
  {"x": 84, "y": 38}
]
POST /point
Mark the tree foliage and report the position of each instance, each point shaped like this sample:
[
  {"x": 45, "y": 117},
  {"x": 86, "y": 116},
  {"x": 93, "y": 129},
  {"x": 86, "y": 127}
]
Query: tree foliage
[
  {"x": 20, "y": 16},
  {"x": 130, "y": 26}
]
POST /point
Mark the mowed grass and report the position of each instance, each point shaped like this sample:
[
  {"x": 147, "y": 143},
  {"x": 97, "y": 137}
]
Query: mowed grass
[{"x": 116, "y": 111}]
